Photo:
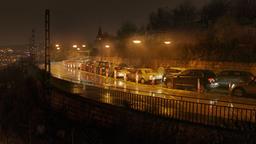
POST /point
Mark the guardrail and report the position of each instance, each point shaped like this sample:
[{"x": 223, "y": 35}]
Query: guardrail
[{"x": 225, "y": 116}]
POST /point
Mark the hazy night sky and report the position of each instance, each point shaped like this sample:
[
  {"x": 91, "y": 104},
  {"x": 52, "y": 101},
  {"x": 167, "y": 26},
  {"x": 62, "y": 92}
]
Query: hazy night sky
[{"x": 74, "y": 20}]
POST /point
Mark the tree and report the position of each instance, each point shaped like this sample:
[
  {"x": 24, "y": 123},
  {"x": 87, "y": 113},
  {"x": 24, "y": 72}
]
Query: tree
[
  {"x": 245, "y": 11},
  {"x": 126, "y": 30},
  {"x": 160, "y": 20},
  {"x": 184, "y": 16},
  {"x": 214, "y": 10}
]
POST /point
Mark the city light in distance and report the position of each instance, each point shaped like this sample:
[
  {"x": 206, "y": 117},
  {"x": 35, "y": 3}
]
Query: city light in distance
[
  {"x": 78, "y": 49},
  {"x": 74, "y": 46}
]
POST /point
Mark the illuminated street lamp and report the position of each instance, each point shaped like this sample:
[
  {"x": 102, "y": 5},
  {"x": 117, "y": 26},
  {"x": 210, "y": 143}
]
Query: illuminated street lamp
[
  {"x": 57, "y": 46},
  {"x": 74, "y": 46},
  {"x": 83, "y": 45},
  {"x": 78, "y": 49},
  {"x": 107, "y": 46},
  {"x": 136, "y": 41},
  {"x": 167, "y": 42}
]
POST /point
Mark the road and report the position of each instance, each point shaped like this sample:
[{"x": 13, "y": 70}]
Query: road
[{"x": 77, "y": 76}]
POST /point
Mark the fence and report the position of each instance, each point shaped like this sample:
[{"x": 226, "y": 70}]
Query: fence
[
  {"x": 202, "y": 113},
  {"x": 185, "y": 109}
]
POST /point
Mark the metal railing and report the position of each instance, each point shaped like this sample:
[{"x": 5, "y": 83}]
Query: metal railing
[{"x": 179, "y": 109}]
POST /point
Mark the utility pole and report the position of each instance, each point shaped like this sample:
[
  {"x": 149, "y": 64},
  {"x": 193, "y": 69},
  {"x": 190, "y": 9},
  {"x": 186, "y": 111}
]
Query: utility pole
[
  {"x": 47, "y": 60},
  {"x": 47, "y": 42}
]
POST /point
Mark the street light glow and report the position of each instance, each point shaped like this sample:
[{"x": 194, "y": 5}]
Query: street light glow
[
  {"x": 57, "y": 45},
  {"x": 107, "y": 46},
  {"x": 78, "y": 49},
  {"x": 84, "y": 46},
  {"x": 74, "y": 46},
  {"x": 58, "y": 48},
  {"x": 136, "y": 41},
  {"x": 167, "y": 42}
]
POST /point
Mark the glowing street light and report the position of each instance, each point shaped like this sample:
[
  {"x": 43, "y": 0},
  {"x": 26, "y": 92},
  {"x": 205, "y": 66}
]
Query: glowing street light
[
  {"x": 136, "y": 41},
  {"x": 167, "y": 42},
  {"x": 78, "y": 49},
  {"x": 83, "y": 45},
  {"x": 74, "y": 46},
  {"x": 107, "y": 46},
  {"x": 57, "y": 46}
]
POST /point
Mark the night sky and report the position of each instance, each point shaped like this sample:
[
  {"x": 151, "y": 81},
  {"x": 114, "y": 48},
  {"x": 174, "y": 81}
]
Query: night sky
[{"x": 75, "y": 20}]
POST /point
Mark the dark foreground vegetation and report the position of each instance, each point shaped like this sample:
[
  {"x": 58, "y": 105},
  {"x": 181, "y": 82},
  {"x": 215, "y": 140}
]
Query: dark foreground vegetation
[{"x": 25, "y": 118}]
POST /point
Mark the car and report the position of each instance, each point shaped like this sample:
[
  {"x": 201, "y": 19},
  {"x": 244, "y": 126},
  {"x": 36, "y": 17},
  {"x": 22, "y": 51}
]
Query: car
[
  {"x": 104, "y": 67},
  {"x": 233, "y": 77},
  {"x": 122, "y": 73},
  {"x": 121, "y": 70},
  {"x": 192, "y": 79},
  {"x": 171, "y": 71},
  {"x": 244, "y": 89},
  {"x": 144, "y": 75},
  {"x": 88, "y": 66}
]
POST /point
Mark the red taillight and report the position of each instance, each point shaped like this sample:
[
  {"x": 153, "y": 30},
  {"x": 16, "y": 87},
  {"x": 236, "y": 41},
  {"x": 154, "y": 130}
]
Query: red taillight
[{"x": 211, "y": 80}]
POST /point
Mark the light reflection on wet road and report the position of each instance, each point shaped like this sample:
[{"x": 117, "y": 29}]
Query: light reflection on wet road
[{"x": 82, "y": 77}]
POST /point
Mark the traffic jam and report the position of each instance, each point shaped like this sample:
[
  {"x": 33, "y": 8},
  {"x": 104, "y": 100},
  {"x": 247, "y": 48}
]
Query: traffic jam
[{"x": 235, "y": 82}]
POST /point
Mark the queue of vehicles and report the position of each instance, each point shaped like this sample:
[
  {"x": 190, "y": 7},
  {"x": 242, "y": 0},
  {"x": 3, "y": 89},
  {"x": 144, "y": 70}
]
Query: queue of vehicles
[{"x": 238, "y": 83}]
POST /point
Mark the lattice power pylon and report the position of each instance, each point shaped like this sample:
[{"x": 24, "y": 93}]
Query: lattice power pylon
[{"x": 32, "y": 47}]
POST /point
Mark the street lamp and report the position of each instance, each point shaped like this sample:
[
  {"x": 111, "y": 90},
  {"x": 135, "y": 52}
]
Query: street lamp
[
  {"x": 74, "y": 46},
  {"x": 136, "y": 41},
  {"x": 57, "y": 46},
  {"x": 167, "y": 42},
  {"x": 107, "y": 46},
  {"x": 83, "y": 45}
]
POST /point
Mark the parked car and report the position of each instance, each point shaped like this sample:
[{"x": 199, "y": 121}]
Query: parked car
[
  {"x": 244, "y": 89},
  {"x": 121, "y": 72},
  {"x": 103, "y": 67},
  {"x": 230, "y": 77},
  {"x": 190, "y": 79},
  {"x": 171, "y": 71},
  {"x": 144, "y": 75},
  {"x": 88, "y": 66}
]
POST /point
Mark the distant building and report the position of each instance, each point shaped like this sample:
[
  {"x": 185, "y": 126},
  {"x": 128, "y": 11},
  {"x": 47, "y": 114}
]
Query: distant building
[{"x": 10, "y": 54}]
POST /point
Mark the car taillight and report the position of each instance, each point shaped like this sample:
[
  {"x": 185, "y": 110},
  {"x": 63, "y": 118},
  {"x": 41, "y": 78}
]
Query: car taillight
[{"x": 211, "y": 80}]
